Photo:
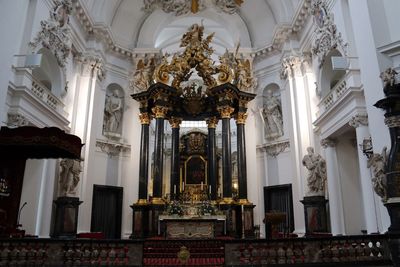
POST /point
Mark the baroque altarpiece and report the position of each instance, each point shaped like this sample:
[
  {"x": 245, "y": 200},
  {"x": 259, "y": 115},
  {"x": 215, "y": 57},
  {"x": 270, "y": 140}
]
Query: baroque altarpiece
[{"x": 190, "y": 86}]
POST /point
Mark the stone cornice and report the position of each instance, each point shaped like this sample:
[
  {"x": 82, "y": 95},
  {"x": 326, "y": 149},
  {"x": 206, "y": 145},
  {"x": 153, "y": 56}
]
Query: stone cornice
[
  {"x": 112, "y": 148},
  {"x": 274, "y": 149}
]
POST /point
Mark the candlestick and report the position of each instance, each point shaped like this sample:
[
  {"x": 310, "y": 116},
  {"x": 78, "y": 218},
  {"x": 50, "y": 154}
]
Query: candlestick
[
  {"x": 183, "y": 186},
  {"x": 174, "y": 188},
  {"x": 201, "y": 186},
  {"x": 209, "y": 189}
]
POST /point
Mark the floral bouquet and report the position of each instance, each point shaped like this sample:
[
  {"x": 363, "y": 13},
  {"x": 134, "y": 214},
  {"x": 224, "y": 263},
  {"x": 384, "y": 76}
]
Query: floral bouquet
[
  {"x": 206, "y": 208},
  {"x": 175, "y": 208}
]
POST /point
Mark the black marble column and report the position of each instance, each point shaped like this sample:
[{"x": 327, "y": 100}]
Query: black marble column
[
  {"x": 212, "y": 157},
  {"x": 160, "y": 113},
  {"x": 226, "y": 112},
  {"x": 174, "y": 180},
  {"x": 241, "y": 150},
  {"x": 144, "y": 158}
]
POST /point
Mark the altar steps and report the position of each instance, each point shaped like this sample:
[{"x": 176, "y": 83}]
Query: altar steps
[{"x": 200, "y": 253}]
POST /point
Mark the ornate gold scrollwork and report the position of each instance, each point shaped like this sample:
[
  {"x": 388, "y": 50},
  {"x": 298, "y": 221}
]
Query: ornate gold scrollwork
[
  {"x": 159, "y": 111},
  {"x": 161, "y": 73},
  {"x": 145, "y": 118},
  {"x": 175, "y": 122},
  {"x": 241, "y": 117},
  {"x": 212, "y": 122},
  {"x": 225, "y": 111}
]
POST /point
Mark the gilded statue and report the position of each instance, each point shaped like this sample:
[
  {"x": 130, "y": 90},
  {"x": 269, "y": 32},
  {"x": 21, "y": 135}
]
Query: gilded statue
[{"x": 142, "y": 77}]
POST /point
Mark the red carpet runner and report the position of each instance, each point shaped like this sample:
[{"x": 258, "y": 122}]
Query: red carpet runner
[{"x": 183, "y": 253}]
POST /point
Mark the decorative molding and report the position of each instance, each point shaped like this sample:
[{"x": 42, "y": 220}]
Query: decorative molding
[
  {"x": 112, "y": 148},
  {"x": 359, "y": 120},
  {"x": 392, "y": 121},
  {"x": 328, "y": 142},
  {"x": 274, "y": 149},
  {"x": 326, "y": 35},
  {"x": 55, "y": 33},
  {"x": 17, "y": 120},
  {"x": 180, "y": 8}
]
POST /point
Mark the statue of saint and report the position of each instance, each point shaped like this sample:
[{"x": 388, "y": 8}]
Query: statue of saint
[
  {"x": 113, "y": 113},
  {"x": 272, "y": 116},
  {"x": 69, "y": 176},
  {"x": 378, "y": 164},
  {"x": 316, "y": 177}
]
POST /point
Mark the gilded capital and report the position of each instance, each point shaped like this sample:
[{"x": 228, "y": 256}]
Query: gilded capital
[
  {"x": 241, "y": 118},
  {"x": 175, "y": 122},
  {"x": 212, "y": 122},
  {"x": 225, "y": 111},
  {"x": 144, "y": 118},
  {"x": 160, "y": 111}
]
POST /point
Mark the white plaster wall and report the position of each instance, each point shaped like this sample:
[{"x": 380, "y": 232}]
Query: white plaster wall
[{"x": 350, "y": 185}]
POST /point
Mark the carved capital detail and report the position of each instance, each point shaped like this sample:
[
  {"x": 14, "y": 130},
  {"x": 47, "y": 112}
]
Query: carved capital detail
[
  {"x": 393, "y": 121},
  {"x": 225, "y": 111},
  {"x": 294, "y": 64},
  {"x": 328, "y": 142},
  {"x": 359, "y": 120},
  {"x": 145, "y": 118},
  {"x": 17, "y": 120},
  {"x": 212, "y": 122},
  {"x": 241, "y": 118},
  {"x": 175, "y": 122},
  {"x": 160, "y": 111},
  {"x": 92, "y": 64}
]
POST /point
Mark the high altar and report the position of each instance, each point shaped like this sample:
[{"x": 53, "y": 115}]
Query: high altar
[{"x": 216, "y": 92}]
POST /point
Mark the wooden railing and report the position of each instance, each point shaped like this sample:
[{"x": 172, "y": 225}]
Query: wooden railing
[
  {"x": 366, "y": 250},
  {"x": 353, "y": 250}
]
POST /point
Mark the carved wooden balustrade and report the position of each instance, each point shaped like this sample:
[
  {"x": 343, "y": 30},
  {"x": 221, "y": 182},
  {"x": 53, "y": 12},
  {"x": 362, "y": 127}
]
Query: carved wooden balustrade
[
  {"x": 343, "y": 250},
  {"x": 366, "y": 250}
]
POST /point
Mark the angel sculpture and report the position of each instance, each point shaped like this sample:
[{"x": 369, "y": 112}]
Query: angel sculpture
[
  {"x": 143, "y": 74},
  {"x": 388, "y": 77}
]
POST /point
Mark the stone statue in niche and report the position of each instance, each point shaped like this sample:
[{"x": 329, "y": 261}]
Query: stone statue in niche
[
  {"x": 272, "y": 116},
  {"x": 378, "y": 162},
  {"x": 316, "y": 177},
  {"x": 69, "y": 176},
  {"x": 113, "y": 111}
]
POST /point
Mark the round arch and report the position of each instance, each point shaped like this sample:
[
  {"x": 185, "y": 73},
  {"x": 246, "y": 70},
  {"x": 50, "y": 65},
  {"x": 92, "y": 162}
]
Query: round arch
[{"x": 328, "y": 76}]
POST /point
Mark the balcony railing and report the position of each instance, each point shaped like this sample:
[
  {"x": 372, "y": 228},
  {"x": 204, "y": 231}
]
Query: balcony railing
[{"x": 25, "y": 81}]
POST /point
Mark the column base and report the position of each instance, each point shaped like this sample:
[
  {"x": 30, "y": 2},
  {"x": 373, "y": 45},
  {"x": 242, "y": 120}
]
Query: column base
[
  {"x": 244, "y": 201},
  {"x": 142, "y": 202},
  {"x": 66, "y": 220},
  {"x": 227, "y": 200},
  {"x": 157, "y": 201},
  {"x": 245, "y": 220},
  {"x": 315, "y": 214},
  {"x": 140, "y": 220}
]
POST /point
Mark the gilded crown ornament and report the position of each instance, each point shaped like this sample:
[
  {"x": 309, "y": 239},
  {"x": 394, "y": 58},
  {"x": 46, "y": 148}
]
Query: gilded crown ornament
[{"x": 176, "y": 69}]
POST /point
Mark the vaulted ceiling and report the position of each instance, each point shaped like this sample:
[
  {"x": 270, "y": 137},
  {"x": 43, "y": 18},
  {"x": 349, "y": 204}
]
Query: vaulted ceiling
[{"x": 254, "y": 25}]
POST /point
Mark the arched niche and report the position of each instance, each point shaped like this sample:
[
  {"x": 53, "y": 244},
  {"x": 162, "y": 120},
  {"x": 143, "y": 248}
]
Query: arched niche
[
  {"x": 49, "y": 74},
  {"x": 329, "y": 76},
  {"x": 113, "y": 111},
  {"x": 272, "y": 112}
]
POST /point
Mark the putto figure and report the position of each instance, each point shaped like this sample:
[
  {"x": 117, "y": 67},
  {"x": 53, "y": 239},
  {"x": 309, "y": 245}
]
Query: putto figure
[{"x": 316, "y": 177}]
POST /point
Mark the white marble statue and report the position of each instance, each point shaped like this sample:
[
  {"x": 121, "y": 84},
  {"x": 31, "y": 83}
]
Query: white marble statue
[
  {"x": 272, "y": 116},
  {"x": 69, "y": 176},
  {"x": 378, "y": 162},
  {"x": 113, "y": 113},
  {"x": 316, "y": 177}
]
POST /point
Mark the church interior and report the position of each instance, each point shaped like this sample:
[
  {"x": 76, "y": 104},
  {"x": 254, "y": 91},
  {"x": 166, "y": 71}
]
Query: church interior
[{"x": 199, "y": 133}]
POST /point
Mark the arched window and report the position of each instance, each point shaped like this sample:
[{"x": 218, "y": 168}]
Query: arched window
[{"x": 329, "y": 76}]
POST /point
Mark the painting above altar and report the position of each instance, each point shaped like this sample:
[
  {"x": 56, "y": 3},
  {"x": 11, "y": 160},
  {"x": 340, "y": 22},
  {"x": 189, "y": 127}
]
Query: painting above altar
[{"x": 196, "y": 170}]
